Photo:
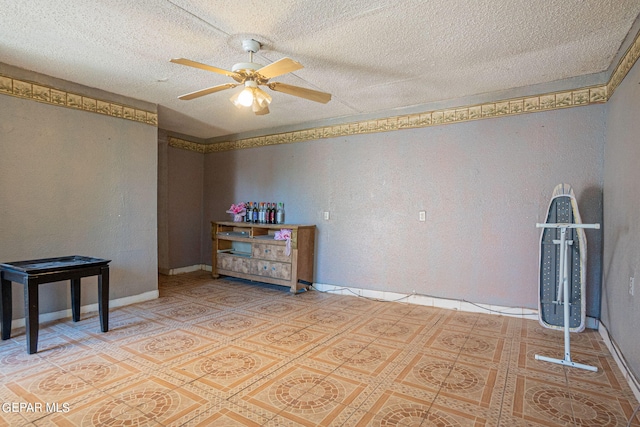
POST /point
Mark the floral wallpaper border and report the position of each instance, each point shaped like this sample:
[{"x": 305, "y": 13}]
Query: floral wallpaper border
[
  {"x": 50, "y": 95},
  {"x": 508, "y": 107}
]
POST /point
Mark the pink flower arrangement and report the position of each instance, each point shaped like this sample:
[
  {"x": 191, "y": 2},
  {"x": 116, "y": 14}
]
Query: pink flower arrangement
[
  {"x": 238, "y": 211},
  {"x": 284, "y": 234}
]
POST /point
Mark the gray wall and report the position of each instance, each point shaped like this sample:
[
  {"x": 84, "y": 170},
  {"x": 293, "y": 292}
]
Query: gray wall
[
  {"x": 163, "y": 203},
  {"x": 483, "y": 184},
  {"x": 75, "y": 182},
  {"x": 186, "y": 180},
  {"x": 621, "y": 311},
  {"x": 180, "y": 193}
]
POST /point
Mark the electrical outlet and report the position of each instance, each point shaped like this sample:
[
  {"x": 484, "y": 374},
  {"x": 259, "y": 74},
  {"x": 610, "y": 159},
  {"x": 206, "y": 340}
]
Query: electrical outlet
[
  {"x": 422, "y": 216},
  {"x": 326, "y": 215},
  {"x": 631, "y": 286}
]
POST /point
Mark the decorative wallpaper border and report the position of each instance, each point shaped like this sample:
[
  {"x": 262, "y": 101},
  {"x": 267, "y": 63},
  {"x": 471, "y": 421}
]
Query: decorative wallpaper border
[
  {"x": 50, "y": 95},
  {"x": 508, "y": 107},
  {"x": 529, "y": 104}
]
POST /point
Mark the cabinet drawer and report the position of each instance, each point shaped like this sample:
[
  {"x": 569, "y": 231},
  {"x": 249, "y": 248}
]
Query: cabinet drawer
[
  {"x": 270, "y": 252},
  {"x": 276, "y": 270},
  {"x": 233, "y": 263}
]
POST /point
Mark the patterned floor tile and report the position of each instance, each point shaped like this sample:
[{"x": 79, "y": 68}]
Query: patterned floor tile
[
  {"x": 188, "y": 311},
  {"x": 227, "y": 369},
  {"x": 470, "y": 383},
  {"x": 154, "y": 399},
  {"x": 50, "y": 386},
  {"x": 10, "y": 417},
  {"x": 527, "y": 362},
  {"x": 353, "y": 304},
  {"x": 370, "y": 358},
  {"x": 398, "y": 409},
  {"x": 130, "y": 328},
  {"x": 278, "y": 307},
  {"x": 168, "y": 346},
  {"x": 233, "y": 299},
  {"x": 103, "y": 411},
  {"x": 286, "y": 339},
  {"x": 390, "y": 330},
  {"x": 232, "y": 324},
  {"x": 458, "y": 413},
  {"x": 228, "y": 352},
  {"x": 327, "y": 318},
  {"x": 228, "y": 415},
  {"x": 545, "y": 402},
  {"x": 306, "y": 396},
  {"x": 456, "y": 342},
  {"x": 14, "y": 359}
]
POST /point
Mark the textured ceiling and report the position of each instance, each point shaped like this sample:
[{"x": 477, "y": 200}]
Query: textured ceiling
[{"x": 373, "y": 56}]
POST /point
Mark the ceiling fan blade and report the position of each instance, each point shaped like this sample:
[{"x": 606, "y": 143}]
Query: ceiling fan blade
[
  {"x": 278, "y": 68},
  {"x": 207, "y": 91},
  {"x": 194, "y": 64},
  {"x": 312, "y": 95}
]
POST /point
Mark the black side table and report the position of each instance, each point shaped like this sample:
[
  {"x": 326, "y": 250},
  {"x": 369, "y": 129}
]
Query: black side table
[{"x": 33, "y": 273}]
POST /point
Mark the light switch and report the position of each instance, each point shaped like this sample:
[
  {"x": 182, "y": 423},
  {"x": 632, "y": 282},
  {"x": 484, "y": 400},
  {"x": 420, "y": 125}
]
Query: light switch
[{"x": 422, "y": 216}]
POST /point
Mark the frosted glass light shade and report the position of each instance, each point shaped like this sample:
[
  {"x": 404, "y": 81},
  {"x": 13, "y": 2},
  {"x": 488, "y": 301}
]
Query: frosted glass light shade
[
  {"x": 245, "y": 98},
  {"x": 251, "y": 96}
]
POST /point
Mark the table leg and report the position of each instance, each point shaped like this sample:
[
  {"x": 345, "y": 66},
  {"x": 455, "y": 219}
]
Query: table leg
[
  {"x": 6, "y": 308},
  {"x": 31, "y": 314},
  {"x": 103, "y": 298},
  {"x": 75, "y": 299}
]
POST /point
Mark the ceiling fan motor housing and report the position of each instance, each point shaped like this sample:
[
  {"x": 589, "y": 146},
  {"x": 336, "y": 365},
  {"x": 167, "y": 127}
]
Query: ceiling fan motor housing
[
  {"x": 251, "y": 45},
  {"x": 246, "y": 66}
]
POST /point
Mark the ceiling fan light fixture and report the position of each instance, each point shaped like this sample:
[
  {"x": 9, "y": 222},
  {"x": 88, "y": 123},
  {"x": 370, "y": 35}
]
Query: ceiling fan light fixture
[
  {"x": 262, "y": 98},
  {"x": 245, "y": 97},
  {"x": 251, "y": 96}
]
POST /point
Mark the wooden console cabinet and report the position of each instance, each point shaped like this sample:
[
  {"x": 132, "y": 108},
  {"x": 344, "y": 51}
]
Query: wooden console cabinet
[{"x": 249, "y": 251}]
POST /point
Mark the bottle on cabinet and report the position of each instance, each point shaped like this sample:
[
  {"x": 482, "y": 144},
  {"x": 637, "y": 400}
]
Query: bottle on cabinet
[
  {"x": 264, "y": 213},
  {"x": 280, "y": 214},
  {"x": 272, "y": 213},
  {"x": 247, "y": 212},
  {"x": 254, "y": 213}
]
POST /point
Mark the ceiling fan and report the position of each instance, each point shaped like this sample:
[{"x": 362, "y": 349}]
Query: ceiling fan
[{"x": 251, "y": 76}]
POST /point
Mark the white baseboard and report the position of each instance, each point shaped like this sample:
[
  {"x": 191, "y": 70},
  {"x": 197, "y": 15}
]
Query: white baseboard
[
  {"x": 521, "y": 312},
  {"x": 429, "y": 301},
  {"x": 182, "y": 270},
  {"x": 592, "y": 323},
  {"x": 114, "y": 303},
  {"x": 622, "y": 364}
]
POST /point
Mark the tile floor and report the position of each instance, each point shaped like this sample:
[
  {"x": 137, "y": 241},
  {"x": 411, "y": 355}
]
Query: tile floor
[{"x": 227, "y": 353}]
